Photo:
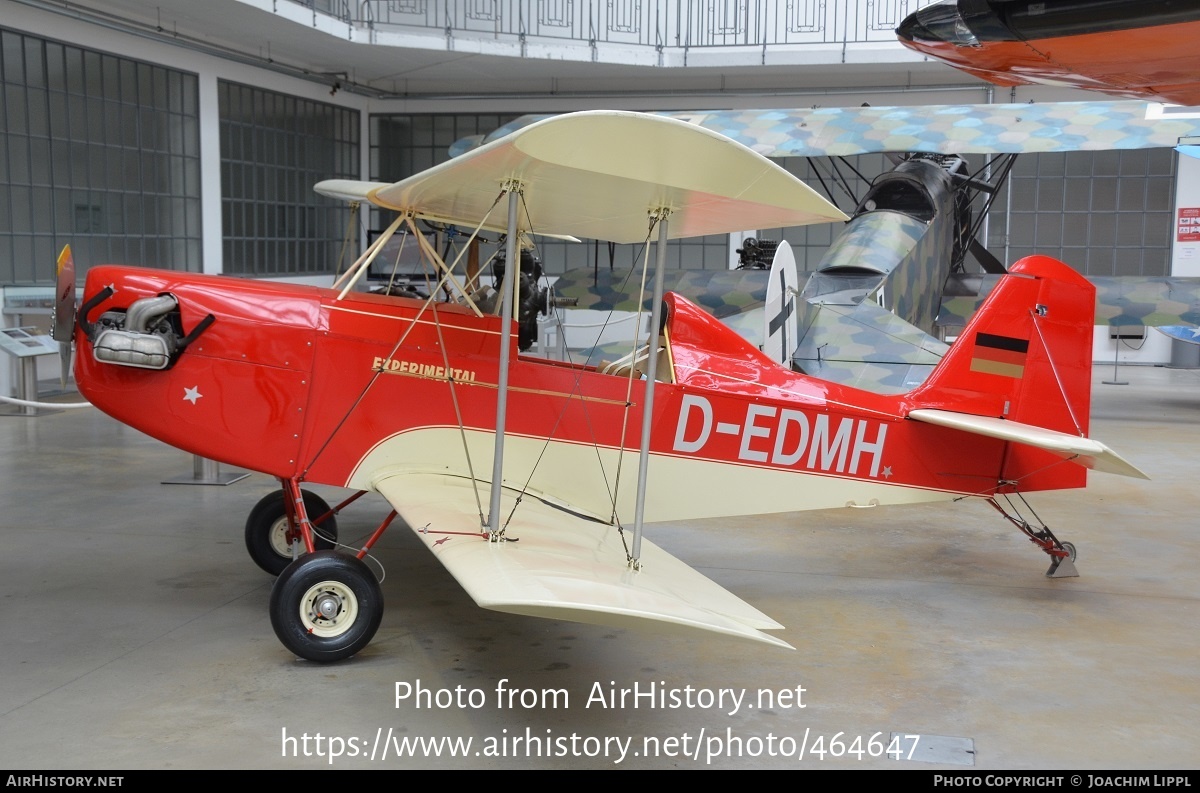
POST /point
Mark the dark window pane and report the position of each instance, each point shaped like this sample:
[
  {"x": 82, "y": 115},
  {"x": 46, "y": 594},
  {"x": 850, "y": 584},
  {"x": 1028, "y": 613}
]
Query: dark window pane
[
  {"x": 81, "y": 128},
  {"x": 35, "y": 72},
  {"x": 274, "y": 149}
]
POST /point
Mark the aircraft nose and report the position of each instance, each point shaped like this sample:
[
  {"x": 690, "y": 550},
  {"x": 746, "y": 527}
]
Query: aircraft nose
[
  {"x": 938, "y": 24},
  {"x": 912, "y": 29}
]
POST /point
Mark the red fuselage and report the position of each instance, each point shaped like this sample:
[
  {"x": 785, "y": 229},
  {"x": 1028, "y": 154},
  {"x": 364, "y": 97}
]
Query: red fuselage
[{"x": 292, "y": 382}]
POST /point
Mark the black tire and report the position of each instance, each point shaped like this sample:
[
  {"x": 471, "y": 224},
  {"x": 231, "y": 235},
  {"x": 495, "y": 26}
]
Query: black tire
[
  {"x": 266, "y": 530},
  {"x": 326, "y": 607}
]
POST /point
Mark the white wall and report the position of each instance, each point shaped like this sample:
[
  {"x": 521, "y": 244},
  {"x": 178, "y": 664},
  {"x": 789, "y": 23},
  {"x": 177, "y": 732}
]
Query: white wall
[
  {"x": 1185, "y": 261},
  {"x": 1185, "y": 255}
]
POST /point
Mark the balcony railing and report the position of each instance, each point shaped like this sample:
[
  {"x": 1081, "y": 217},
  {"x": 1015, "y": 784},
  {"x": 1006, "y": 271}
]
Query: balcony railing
[{"x": 651, "y": 23}]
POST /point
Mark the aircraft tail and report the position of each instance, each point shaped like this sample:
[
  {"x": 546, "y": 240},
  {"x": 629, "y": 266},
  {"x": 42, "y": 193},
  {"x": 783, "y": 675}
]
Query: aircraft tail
[{"x": 1022, "y": 371}]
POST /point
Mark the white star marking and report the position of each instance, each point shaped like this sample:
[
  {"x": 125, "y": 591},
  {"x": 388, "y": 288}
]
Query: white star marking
[
  {"x": 192, "y": 394},
  {"x": 887, "y": 472}
]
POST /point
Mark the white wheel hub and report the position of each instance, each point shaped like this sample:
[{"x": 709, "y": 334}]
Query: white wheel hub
[
  {"x": 278, "y": 537},
  {"x": 328, "y": 609}
]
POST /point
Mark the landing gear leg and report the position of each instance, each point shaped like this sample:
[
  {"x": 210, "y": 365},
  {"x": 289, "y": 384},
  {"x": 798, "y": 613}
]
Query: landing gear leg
[
  {"x": 272, "y": 533},
  {"x": 1062, "y": 554},
  {"x": 275, "y": 528}
]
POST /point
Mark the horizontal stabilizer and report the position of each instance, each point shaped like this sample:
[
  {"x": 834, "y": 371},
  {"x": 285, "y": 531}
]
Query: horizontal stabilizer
[
  {"x": 559, "y": 565},
  {"x": 1086, "y": 452}
]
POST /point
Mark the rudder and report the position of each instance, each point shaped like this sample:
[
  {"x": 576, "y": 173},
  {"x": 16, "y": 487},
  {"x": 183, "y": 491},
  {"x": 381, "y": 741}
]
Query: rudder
[{"x": 1026, "y": 356}]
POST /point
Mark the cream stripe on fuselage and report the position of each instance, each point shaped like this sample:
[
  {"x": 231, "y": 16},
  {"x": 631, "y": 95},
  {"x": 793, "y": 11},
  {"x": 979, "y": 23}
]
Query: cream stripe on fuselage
[{"x": 680, "y": 487}]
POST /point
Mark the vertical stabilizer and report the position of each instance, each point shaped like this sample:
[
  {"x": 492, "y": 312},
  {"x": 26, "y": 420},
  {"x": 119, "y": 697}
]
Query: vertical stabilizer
[
  {"x": 779, "y": 316},
  {"x": 1025, "y": 357}
]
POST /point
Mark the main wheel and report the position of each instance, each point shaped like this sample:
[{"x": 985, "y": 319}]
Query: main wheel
[
  {"x": 267, "y": 537},
  {"x": 326, "y": 607}
]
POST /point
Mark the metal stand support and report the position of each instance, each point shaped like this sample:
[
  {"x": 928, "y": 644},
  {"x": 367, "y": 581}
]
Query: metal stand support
[
  {"x": 1116, "y": 355},
  {"x": 206, "y": 472},
  {"x": 1062, "y": 568},
  {"x": 27, "y": 387}
]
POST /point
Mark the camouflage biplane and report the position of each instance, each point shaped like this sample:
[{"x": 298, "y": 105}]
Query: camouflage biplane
[{"x": 895, "y": 281}]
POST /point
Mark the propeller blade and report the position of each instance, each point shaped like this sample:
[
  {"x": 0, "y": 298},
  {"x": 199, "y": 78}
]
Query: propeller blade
[
  {"x": 974, "y": 184},
  {"x": 62, "y": 322},
  {"x": 987, "y": 261}
]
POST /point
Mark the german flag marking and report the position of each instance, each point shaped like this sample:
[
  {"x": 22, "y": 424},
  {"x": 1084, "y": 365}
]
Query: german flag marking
[{"x": 999, "y": 355}]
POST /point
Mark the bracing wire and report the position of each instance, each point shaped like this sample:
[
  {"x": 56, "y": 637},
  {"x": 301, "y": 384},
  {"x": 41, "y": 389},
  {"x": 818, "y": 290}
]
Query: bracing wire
[
  {"x": 1054, "y": 369},
  {"x": 350, "y": 224},
  {"x": 611, "y": 489},
  {"x": 632, "y": 369},
  {"x": 396, "y": 264},
  {"x": 403, "y": 336},
  {"x": 462, "y": 429}
]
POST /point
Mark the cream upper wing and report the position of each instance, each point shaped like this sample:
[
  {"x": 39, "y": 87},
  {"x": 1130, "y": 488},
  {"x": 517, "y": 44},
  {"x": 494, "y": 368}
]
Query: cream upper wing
[{"x": 596, "y": 174}]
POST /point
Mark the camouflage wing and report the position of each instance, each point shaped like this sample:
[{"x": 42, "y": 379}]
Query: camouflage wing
[
  {"x": 866, "y": 346},
  {"x": 1147, "y": 301},
  {"x": 945, "y": 129},
  {"x": 723, "y": 293},
  {"x": 1120, "y": 300},
  {"x": 953, "y": 129},
  {"x": 736, "y": 297},
  {"x": 1185, "y": 333}
]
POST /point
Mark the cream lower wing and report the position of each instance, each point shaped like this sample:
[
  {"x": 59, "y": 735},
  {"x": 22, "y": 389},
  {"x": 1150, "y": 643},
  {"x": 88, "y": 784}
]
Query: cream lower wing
[{"x": 562, "y": 566}]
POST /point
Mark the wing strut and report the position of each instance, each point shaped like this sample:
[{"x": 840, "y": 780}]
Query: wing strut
[
  {"x": 658, "y": 216},
  {"x": 513, "y": 187},
  {"x": 351, "y": 276}
]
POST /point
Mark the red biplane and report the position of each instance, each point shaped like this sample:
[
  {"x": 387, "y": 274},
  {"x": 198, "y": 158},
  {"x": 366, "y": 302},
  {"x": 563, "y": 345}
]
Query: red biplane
[{"x": 531, "y": 479}]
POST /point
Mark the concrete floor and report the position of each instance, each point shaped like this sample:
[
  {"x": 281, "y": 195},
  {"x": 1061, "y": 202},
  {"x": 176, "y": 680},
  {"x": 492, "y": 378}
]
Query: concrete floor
[{"x": 137, "y": 636}]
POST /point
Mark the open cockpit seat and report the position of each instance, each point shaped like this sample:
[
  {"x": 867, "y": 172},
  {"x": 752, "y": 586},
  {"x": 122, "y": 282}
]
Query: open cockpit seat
[{"x": 637, "y": 362}]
